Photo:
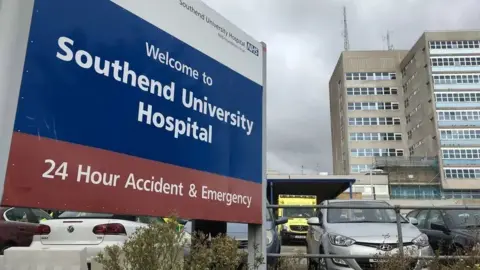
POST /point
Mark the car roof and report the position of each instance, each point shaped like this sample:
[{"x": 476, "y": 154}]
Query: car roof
[
  {"x": 460, "y": 207},
  {"x": 358, "y": 200}
]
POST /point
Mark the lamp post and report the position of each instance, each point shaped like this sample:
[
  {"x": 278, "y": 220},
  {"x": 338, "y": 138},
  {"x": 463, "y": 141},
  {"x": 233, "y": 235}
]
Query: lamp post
[
  {"x": 370, "y": 173},
  {"x": 371, "y": 185}
]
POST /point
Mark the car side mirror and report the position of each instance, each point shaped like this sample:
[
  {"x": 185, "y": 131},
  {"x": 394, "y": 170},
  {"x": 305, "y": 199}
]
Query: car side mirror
[
  {"x": 314, "y": 221},
  {"x": 439, "y": 227},
  {"x": 413, "y": 221},
  {"x": 281, "y": 220}
]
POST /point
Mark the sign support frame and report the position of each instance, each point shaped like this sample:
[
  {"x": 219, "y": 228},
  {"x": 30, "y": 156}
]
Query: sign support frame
[
  {"x": 257, "y": 245},
  {"x": 15, "y": 20}
]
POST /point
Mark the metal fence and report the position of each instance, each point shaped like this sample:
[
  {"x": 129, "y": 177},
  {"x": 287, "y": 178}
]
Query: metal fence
[{"x": 399, "y": 219}]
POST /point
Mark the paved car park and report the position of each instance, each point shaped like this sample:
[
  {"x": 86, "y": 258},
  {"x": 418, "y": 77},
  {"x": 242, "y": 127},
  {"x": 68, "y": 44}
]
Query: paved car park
[{"x": 297, "y": 248}]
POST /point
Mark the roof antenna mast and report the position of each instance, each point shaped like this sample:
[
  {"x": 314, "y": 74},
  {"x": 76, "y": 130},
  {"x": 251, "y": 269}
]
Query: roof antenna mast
[
  {"x": 388, "y": 40},
  {"x": 346, "y": 41}
]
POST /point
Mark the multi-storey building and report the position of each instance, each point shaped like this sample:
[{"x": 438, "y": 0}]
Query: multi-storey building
[
  {"x": 366, "y": 109},
  {"x": 441, "y": 84},
  {"x": 437, "y": 85}
]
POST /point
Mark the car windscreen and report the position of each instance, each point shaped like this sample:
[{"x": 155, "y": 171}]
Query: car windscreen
[
  {"x": 372, "y": 215},
  {"x": 85, "y": 215},
  {"x": 41, "y": 215},
  {"x": 306, "y": 212},
  {"x": 463, "y": 218}
]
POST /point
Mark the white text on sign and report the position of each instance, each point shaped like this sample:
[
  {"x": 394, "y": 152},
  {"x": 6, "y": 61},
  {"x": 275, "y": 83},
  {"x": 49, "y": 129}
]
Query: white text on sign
[{"x": 86, "y": 174}]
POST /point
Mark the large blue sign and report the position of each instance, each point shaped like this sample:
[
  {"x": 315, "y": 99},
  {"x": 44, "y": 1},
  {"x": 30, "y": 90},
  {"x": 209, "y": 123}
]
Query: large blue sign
[{"x": 97, "y": 75}]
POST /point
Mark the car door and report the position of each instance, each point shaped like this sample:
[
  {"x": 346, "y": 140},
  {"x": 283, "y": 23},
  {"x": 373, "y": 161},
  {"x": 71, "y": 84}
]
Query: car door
[
  {"x": 439, "y": 240},
  {"x": 313, "y": 246},
  {"x": 276, "y": 245},
  {"x": 34, "y": 217},
  {"x": 422, "y": 220}
]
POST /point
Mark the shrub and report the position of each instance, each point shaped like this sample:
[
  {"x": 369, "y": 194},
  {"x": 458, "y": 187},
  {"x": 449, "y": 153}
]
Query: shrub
[
  {"x": 220, "y": 252},
  {"x": 397, "y": 262},
  {"x": 471, "y": 261},
  {"x": 287, "y": 263},
  {"x": 160, "y": 246}
]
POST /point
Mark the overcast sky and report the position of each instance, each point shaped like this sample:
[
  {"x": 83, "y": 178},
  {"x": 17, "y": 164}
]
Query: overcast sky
[{"x": 304, "y": 42}]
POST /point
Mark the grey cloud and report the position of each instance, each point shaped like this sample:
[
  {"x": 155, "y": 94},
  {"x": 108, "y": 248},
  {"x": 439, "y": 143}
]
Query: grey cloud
[{"x": 304, "y": 42}]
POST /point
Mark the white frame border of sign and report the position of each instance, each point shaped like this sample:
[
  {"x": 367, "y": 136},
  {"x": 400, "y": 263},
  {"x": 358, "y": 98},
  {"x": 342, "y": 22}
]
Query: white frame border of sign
[
  {"x": 14, "y": 34},
  {"x": 15, "y": 19},
  {"x": 258, "y": 232}
]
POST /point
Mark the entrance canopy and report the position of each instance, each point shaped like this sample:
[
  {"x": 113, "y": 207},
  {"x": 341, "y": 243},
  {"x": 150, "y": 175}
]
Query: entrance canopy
[{"x": 324, "y": 187}]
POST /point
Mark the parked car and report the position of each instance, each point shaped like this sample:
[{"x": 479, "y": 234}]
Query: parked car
[
  {"x": 365, "y": 232},
  {"x": 449, "y": 231},
  {"x": 94, "y": 231},
  {"x": 239, "y": 231},
  {"x": 18, "y": 225},
  {"x": 274, "y": 241}
]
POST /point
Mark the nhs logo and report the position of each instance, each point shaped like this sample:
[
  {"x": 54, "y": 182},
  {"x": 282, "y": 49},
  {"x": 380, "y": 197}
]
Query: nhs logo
[{"x": 252, "y": 48}]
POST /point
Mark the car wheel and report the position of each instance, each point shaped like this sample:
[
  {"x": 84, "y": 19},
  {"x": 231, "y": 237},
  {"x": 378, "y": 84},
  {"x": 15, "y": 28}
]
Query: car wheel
[
  {"x": 311, "y": 264},
  {"x": 317, "y": 264},
  {"x": 322, "y": 262}
]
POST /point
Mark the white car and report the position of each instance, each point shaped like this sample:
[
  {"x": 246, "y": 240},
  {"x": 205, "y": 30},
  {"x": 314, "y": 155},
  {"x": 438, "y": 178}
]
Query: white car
[
  {"x": 94, "y": 231},
  {"x": 362, "y": 232}
]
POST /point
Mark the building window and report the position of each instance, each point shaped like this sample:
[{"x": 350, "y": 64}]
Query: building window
[
  {"x": 459, "y": 134},
  {"x": 414, "y": 192},
  {"x": 456, "y": 78},
  {"x": 410, "y": 132},
  {"x": 375, "y": 136},
  {"x": 462, "y": 173},
  {"x": 465, "y": 115},
  {"x": 457, "y": 96},
  {"x": 373, "y": 121},
  {"x": 376, "y": 152},
  {"x": 373, "y": 106},
  {"x": 412, "y": 148},
  {"x": 458, "y": 44},
  {"x": 455, "y": 61},
  {"x": 461, "y": 153},
  {"x": 370, "y": 91},
  {"x": 412, "y": 113},
  {"x": 358, "y": 168},
  {"x": 409, "y": 80},
  {"x": 412, "y": 95},
  {"x": 461, "y": 194},
  {"x": 408, "y": 65},
  {"x": 370, "y": 76}
]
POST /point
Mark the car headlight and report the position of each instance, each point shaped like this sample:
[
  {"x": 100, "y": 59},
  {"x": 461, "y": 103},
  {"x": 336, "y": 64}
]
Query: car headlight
[
  {"x": 421, "y": 240},
  {"x": 285, "y": 227},
  {"x": 340, "y": 240},
  {"x": 269, "y": 237}
]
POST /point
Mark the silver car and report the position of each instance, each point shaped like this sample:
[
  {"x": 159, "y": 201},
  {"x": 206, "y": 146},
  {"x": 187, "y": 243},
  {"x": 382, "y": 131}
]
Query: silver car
[{"x": 364, "y": 232}]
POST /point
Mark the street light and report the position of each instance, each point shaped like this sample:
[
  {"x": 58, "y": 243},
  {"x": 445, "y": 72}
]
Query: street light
[{"x": 370, "y": 171}]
